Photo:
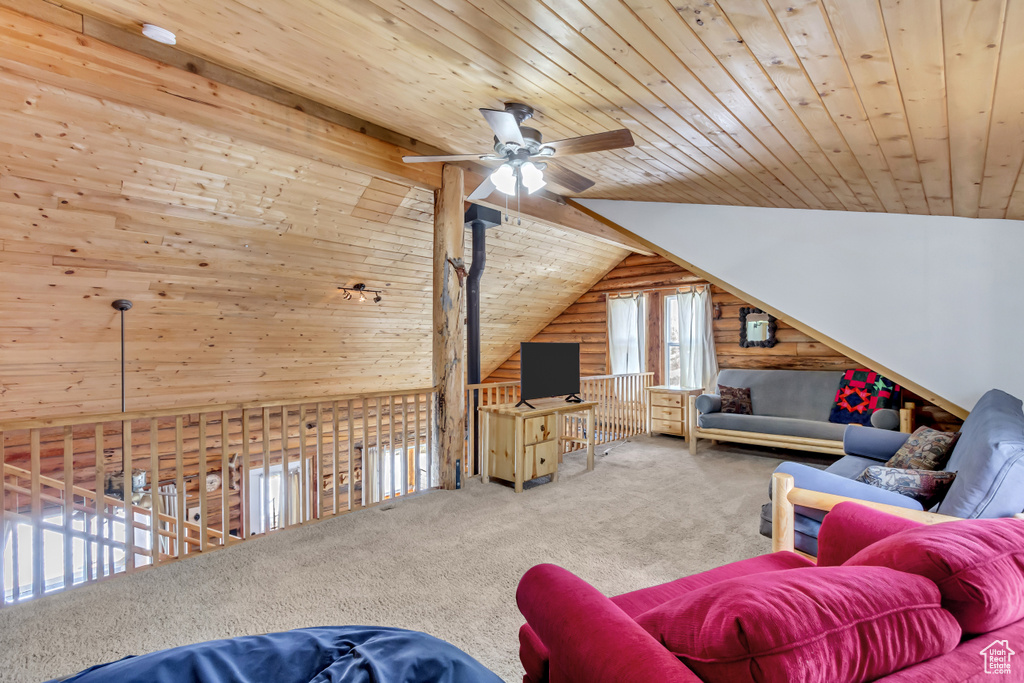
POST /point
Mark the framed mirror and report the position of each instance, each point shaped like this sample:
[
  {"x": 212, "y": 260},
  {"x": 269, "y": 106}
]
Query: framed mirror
[{"x": 757, "y": 328}]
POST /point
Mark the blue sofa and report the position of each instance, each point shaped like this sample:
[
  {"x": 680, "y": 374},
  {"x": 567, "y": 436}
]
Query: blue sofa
[{"x": 988, "y": 459}]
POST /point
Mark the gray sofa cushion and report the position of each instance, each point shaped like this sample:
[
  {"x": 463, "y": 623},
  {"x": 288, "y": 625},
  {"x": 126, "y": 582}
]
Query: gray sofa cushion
[
  {"x": 785, "y": 426},
  {"x": 850, "y": 466},
  {"x": 709, "y": 403},
  {"x": 989, "y": 460},
  {"x": 885, "y": 418},
  {"x": 800, "y": 394}
]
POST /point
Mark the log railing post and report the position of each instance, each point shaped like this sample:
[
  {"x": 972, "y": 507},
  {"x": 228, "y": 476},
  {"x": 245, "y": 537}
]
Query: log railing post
[{"x": 449, "y": 373}]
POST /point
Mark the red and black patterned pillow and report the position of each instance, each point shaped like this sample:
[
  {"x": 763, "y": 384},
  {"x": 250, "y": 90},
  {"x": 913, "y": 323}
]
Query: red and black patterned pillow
[
  {"x": 862, "y": 392},
  {"x": 925, "y": 486},
  {"x": 735, "y": 400}
]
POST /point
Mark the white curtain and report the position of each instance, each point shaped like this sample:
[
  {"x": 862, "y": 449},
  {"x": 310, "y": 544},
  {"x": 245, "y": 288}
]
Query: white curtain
[
  {"x": 626, "y": 333},
  {"x": 697, "y": 360}
]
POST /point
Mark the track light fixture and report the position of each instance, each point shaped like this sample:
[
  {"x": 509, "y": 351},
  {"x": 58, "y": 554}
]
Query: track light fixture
[{"x": 361, "y": 290}]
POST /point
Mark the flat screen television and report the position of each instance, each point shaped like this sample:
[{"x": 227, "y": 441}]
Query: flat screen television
[{"x": 549, "y": 369}]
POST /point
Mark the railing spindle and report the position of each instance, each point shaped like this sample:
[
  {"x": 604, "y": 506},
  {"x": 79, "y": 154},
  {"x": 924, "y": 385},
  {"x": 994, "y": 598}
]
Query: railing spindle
[
  {"x": 391, "y": 447},
  {"x": 225, "y": 480},
  {"x": 378, "y": 468},
  {"x": 203, "y": 511},
  {"x": 127, "y": 489},
  {"x": 154, "y": 491},
  {"x": 266, "y": 470},
  {"x": 351, "y": 455},
  {"x": 305, "y": 499},
  {"x": 369, "y": 478},
  {"x": 38, "y": 575},
  {"x": 284, "y": 519},
  {"x": 245, "y": 481},
  {"x": 430, "y": 438},
  {"x": 69, "y": 509},
  {"x": 100, "y": 488},
  {"x": 336, "y": 460},
  {"x": 418, "y": 475},
  {"x": 179, "y": 483},
  {"x": 321, "y": 455},
  {"x": 405, "y": 447}
]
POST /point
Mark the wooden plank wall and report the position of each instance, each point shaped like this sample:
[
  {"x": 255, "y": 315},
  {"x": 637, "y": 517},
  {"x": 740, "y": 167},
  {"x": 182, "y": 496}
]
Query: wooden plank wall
[
  {"x": 229, "y": 221},
  {"x": 586, "y": 322}
]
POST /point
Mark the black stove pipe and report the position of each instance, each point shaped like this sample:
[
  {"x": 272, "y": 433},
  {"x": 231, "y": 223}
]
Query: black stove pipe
[{"x": 476, "y": 272}]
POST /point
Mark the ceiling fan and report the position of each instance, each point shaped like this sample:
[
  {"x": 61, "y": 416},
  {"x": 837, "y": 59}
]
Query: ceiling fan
[{"x": 523, "y": 154}]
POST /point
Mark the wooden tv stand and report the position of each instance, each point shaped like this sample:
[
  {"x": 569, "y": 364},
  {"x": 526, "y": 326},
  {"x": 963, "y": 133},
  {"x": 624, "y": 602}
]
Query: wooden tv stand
[{"x": 519, "y": 444}]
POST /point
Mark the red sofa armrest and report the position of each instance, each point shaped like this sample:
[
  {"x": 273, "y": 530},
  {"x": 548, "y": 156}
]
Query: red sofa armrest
[
  {"x": 849, "y": 528},
  {"x": 588, "y": 636}
]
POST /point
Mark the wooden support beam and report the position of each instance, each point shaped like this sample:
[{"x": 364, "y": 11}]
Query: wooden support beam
[{"x": 449, "y": 243}]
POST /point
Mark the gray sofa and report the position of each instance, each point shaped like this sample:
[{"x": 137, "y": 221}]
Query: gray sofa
[
  {"x": 790, "y": 410},
  {"x": 988, "y": 458}
]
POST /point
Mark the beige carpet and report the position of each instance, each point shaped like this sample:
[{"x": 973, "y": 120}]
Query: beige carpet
[{"x": 446, "y": 563}]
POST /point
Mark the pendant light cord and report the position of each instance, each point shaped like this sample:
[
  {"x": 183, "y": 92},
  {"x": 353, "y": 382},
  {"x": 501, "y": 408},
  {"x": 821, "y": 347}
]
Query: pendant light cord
[
  {"x": 123, "y": 401},
  {"x": 122, "y": 305}
]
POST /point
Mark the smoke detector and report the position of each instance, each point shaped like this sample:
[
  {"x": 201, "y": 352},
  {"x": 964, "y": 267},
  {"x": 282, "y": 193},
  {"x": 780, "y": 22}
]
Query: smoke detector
[{"x": 160, "y": 35}]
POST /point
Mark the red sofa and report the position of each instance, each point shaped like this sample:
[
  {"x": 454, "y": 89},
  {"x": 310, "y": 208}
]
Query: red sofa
[{"x": 575, "y": 634}]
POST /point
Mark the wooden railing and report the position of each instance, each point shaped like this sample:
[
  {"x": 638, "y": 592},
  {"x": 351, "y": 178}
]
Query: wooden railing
[
  {"x": 621, "y": 411},
  {"x": 200, "y": 479}
]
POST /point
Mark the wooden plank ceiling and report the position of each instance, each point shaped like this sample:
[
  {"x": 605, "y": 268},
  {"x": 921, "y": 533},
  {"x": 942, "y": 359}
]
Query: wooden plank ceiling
[
  {"x": 231, "y": 248},
  {"x": 876, "y": 105}
]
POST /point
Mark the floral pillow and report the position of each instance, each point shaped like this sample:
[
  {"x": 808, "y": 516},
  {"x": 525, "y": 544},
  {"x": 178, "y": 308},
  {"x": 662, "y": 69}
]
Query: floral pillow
[
  {"x": 925, "y": 486},
  {"x": 735, "y": 400},
  {"x": 926, "y": 449}
]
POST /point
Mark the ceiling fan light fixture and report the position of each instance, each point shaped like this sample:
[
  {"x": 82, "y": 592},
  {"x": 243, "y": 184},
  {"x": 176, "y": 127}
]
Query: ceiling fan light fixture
[
  {"x": 533, "y": 176},
  {"x": 159, "y": 34},
  {"x": 504, "y": 178}
]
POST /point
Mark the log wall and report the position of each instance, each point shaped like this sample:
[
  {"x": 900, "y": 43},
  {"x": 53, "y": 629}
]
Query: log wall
[
  {"x": 229, "y": 221},
  {"x": 586, "y": 322}
]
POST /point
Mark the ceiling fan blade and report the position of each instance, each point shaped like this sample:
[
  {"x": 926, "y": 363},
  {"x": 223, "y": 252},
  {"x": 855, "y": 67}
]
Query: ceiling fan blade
[
  {"x": 598, "y": 142},
  {"x": 570, "y": 180},
  {"x": 504, "y": 125},
  {"x": 445, "y": 157},
  {"x": 483, "y": 190}
]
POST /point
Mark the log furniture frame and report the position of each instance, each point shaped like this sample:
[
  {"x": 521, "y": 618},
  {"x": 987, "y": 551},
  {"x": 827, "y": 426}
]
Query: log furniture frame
[
  {"x": 523, "y": 439},
  {"x": 799, "y": 443},
  {"x": 786, "y": 496}
]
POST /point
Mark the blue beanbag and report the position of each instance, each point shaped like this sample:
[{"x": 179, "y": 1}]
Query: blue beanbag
[{"x": 326, "y": 654}]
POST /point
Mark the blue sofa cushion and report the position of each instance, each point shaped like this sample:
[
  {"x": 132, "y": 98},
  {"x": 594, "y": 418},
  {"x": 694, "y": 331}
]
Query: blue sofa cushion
[
  {"x": 989, "y": 461},
  {"x": 764, "y": 424},
  {"x": 806, "y": 537},
  {"x": 850, "y": 466},
  {"x": 867, "y": 442},
  {"x": 341, "y": 654},
  {"x": 800, "y": 394}
]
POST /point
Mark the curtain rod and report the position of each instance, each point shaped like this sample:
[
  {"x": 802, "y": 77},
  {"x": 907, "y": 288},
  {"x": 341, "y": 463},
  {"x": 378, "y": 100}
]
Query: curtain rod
[{"x": 655, "y": 289}]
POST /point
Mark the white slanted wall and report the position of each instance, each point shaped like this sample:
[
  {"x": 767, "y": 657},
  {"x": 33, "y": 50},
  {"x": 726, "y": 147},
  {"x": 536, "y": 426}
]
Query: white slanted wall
[{"x": 936, "y": 301}]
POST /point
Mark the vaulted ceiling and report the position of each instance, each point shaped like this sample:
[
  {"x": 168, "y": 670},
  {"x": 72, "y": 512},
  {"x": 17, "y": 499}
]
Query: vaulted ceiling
[{"x": 878, "y": 105}]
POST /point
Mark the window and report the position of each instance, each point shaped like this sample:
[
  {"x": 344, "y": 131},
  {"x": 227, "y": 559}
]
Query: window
[
  {"x": 626, "y": 325},
  {"x": 690, "y": 360},
  {"x": 672, "y": 347},
  {"x": 267, "y": 504},
  {"x": 390, "y": 482},
  {"x": 19, "y": 550}
]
